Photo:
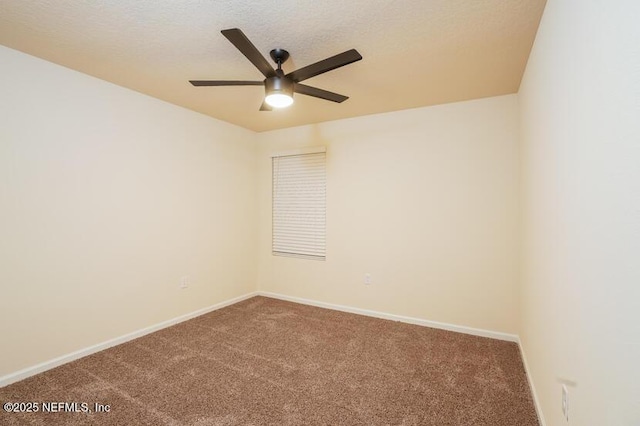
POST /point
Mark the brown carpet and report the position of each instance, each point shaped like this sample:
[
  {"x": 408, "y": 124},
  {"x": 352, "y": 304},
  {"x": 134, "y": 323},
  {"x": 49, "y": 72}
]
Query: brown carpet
[{"x": 269, "y": 362}]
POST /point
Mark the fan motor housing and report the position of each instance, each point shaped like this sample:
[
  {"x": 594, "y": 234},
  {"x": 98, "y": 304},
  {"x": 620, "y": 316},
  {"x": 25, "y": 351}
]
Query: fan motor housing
[{"x": 279, "y": 84}]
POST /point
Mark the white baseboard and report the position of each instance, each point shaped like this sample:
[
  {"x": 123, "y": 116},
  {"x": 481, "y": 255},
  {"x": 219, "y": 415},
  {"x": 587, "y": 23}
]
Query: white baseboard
[
  {"x": 48, "y": 365},
  {"x": 417, "y": 321},
  {"x": 536, "y": 401}
]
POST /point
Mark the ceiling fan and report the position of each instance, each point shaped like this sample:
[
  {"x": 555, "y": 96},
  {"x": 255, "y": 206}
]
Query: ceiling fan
[{"x": 279, "y": 87}]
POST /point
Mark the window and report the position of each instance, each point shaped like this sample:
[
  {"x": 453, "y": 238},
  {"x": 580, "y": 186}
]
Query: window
[{"x": 299, "y": 204}]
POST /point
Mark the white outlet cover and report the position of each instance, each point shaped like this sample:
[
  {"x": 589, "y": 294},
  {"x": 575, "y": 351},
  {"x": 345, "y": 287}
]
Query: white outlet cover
[
  {"x": 367, "y": 279},
  {"x": 184, "y": 281}
]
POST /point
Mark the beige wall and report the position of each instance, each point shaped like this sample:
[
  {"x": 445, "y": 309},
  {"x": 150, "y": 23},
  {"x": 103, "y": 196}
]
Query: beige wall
[
  {"x": 425, "y": 200},
  {"x": 580, "y": 115},
  {"x": 107, "y": 198}
]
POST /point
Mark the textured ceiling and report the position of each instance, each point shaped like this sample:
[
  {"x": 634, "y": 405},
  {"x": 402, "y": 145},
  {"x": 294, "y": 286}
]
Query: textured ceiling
[{"x": 416, "y": 52}]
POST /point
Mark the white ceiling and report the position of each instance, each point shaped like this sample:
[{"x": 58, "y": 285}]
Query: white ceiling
[{"x": 416, "y": 52}]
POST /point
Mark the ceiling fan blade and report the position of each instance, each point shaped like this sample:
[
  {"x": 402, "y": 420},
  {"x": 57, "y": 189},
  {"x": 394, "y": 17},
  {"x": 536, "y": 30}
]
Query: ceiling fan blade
[
  {"x": 226, "y": 83},
  {"x": 337, "y": 61},
  {"x": 242, "y": 43},
  {"x": 303, "y": 89},
  {"x": 265, "y": 107}
]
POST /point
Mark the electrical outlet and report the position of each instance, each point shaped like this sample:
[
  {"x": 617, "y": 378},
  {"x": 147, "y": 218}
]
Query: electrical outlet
[
  {"x": 185, "y": 281},
  {"x": 565, "y": 402},
  {"x": 367, "y": 279}
]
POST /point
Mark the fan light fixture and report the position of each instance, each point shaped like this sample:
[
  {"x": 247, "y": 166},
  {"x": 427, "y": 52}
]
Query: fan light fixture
[{"x": 278, "y": 90}]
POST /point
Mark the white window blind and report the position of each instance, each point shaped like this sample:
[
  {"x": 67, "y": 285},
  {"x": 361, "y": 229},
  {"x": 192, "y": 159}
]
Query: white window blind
[{"x": 299, "y": 205}]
